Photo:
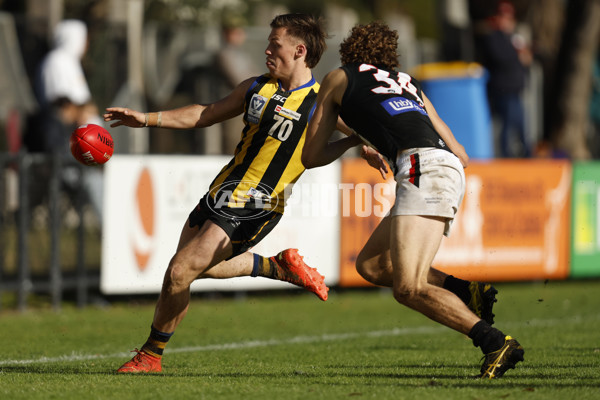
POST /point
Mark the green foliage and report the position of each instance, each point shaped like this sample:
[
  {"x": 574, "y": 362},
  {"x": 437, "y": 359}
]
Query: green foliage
[{"x": 358, "y": 344}]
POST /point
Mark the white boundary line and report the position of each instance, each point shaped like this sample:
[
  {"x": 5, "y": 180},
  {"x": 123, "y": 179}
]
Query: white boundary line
[
  {"x": 237, "y": 345},
  {"x": 535, "y": 323}
]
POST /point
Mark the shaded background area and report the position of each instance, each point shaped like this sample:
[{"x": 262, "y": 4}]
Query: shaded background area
[
  {"x": 159, "y": 54},
  {"x": 162, "y": 54}
]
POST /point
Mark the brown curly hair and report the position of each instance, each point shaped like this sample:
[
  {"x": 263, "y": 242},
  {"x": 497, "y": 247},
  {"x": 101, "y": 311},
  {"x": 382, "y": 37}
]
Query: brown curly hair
[{"x": 374, "y": 43}]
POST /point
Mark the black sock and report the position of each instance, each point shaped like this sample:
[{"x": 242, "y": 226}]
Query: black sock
[
  {"x": 487, "y": 338},
  {"x": 155, "y": 345},
  {"x": 459, "y": 287}
]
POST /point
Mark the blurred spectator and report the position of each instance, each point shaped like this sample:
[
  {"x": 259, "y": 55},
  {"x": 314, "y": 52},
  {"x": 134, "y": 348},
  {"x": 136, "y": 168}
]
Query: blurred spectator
[
  {"x": 65, "y": 103},
  {"x": 233, "y": 60},
  {"x": 234, "y": 64},
  {"x": 506, "y": 56},
  {"x": 62, "y": 91}
]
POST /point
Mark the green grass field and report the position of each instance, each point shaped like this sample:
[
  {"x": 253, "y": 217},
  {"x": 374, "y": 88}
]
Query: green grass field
[{"x": 359, "y": 344}]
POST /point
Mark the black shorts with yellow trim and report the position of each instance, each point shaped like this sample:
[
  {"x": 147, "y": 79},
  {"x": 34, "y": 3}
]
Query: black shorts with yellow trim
[{"x": 246, "y": 227}]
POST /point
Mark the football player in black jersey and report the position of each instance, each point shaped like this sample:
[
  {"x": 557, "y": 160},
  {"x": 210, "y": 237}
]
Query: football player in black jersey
[{"x": 388, "y": 110}]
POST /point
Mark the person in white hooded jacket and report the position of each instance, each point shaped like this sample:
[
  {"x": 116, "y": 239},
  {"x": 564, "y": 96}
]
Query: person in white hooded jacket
[
  {"x": 65, "y": 103},
  {"x": 61, "y": 74},
  {"x": 62, "y": 89}
]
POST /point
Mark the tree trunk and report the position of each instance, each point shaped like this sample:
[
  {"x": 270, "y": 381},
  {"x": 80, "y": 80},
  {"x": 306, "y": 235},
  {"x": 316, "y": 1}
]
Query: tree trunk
[
  {"x": 573, "y": 78},
  {"x": 546, "y": 18}
]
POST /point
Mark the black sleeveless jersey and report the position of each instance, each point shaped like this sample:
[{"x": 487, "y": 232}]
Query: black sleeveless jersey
[{"x": 386, "y": 109}]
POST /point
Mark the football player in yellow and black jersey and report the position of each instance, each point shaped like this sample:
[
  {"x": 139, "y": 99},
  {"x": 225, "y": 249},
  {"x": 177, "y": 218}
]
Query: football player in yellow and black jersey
[
  {"x": 246, "y": 199},
  {"x": 388, "y": 110}
]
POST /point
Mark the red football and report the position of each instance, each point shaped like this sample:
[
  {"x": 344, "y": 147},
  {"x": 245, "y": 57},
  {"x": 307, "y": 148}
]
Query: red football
[{"x": 91, "y": 144}]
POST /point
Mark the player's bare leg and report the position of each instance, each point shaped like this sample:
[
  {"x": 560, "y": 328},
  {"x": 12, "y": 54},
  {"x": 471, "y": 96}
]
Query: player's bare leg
[
  {"x": 286, "y": 266},
  {"x": 202, "y": 254},
  {"x": 198, "y": 250},
  {"x": 374, "y": 263},
  {"x": 415, "y": 241}
]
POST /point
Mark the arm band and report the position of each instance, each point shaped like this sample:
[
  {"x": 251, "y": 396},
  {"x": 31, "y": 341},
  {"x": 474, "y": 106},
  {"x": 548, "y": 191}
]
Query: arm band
[{"x": 152, "y": 119}]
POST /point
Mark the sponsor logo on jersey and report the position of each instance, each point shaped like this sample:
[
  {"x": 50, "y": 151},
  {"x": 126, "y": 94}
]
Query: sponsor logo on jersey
[
  {"x": 399, "y": 105},
  {"x": 288, "y": 113},
  {"x": 278, "y": 97},
  {"x": 256, "y": 194},
  {"x": 257, "y": 105}
]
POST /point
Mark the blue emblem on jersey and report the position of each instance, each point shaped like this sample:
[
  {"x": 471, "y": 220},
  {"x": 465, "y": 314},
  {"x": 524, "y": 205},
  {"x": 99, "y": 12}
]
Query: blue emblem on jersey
[
  {"x": 257, "y": 103},
  {"x": 399, "y": 105}
]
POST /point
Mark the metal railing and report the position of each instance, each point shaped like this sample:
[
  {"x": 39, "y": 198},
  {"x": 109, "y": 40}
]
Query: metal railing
[{"x": 42, "y": 218}]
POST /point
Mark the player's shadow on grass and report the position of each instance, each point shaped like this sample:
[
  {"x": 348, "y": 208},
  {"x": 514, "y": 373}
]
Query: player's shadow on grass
[
  {"x": 408, "y": 375},
  {"x": 523, "y": 376}
]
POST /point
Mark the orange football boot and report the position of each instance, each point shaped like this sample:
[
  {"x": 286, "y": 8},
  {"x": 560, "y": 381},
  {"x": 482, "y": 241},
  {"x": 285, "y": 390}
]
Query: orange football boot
[
  {"x": 141, "y": 363},
  {"x": 297, "y": 272}
]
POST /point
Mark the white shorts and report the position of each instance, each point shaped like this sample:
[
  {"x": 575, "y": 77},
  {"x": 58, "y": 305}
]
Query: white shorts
[{"x": 429, "y": 182}]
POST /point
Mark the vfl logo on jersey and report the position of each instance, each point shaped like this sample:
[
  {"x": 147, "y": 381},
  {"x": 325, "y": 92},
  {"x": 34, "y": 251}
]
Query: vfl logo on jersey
[
  {"x": 257, "y": 105},
  {"x": 399, "y": 105},
  {"x": 288, "y": 113}
]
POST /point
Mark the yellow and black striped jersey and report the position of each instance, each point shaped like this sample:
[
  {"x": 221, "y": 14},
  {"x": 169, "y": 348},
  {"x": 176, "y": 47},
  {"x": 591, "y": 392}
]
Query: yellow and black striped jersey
[{"x": 267, "y": 159}]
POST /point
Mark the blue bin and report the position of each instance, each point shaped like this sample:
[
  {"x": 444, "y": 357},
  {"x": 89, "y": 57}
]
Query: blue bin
[{"x": 458, "y": 93}]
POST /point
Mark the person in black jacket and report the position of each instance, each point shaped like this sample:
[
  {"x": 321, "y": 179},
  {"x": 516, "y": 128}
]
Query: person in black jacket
[{"x": 506, "y": 57}]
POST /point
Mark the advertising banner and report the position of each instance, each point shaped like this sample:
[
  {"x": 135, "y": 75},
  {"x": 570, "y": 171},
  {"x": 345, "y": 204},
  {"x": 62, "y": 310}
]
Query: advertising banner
[
  {"x": 147, "y": 200},
  {"x": 365, "y": 199},
  {"x": 585, "y": 220},
  {"x": 512, "y": 225}
]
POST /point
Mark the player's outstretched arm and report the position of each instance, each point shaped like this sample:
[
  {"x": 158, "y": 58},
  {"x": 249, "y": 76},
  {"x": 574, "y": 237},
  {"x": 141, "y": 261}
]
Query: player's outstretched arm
[
  {"x": 187, "y": 117},
  {"x": 181, "y": 118}
]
